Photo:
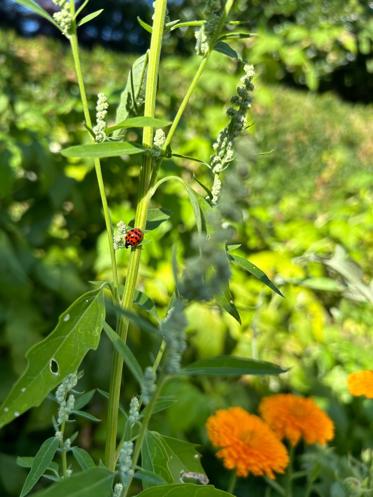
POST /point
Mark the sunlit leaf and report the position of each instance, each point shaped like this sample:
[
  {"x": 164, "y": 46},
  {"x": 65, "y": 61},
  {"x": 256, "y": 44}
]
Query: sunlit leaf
[
  {"x": 60, "y": 353},
  {"x": 231, "y": 366},
  {"x": 132, "y": 97},
  {"x": 255, "y": 271},
  {"x": 100, "y": 150},
  {"x": 90, "y": 16}
]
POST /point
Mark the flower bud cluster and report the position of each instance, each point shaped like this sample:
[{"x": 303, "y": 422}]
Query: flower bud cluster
[
  {"x": 204, "y": 35},
  {"x": 158, "y": 142},
  {"x": 118, "y": 489},
  {"x": 224, "y": 145},
  {"x": 134, "y": 411},
  {"x": 172, "y": 329},
  {"x": 63, "y": 17},
  {"x": 119, "y": 236},
  {"x": 101, "y": 112},
  {"x": 125, "y": 463},
  {"x": 65, "y": 400},
  {"x": 148, "y": 385}
]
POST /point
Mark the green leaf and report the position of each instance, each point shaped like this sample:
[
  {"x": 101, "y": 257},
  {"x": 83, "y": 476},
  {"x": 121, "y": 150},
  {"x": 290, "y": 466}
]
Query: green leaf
[
  {"x": 154, "y": 219},
  {"x": 323, "y": 284},
  {"x": 133, "y": 95},
  {"x": 26, "y": 462},
  {"x": 95, "y": 482},
  {"x": 167, "y": 457},
  {"x": 139, "y": 122},
  {"x": 126, "y": 353},
  {"x": 255, "y": 271},
  {"x": 30, "y": 4},
  {"x": 90, "y": 16},
  {"x": 40, "y": 463},
  {"x": 142, "y": 323},
  {"x": 225, "y": 49},
  {"x": 81, "y": 8},
  {"x": 196, "y": 207},
  {"x": 227, "y": 303},
  {"x": 164, "y": 403},
  {"x": 144, "y": 25},
  {"x": 84, "y": 399},
  {"x": 236, "y": 34},
  {"x": 100, "y": 150},
  {"x": 86, "y": 415},
  {"x": 231, "y": 366},
  {"x": 149, "y": 477},
  {"x": 184, "y": 490},
  {"x": 59, "y": 354},
  {"x": 82, "y": 457}
]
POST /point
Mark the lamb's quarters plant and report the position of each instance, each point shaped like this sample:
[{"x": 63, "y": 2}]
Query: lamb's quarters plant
[
  {"x": 140, "y": 454},
  {"x": 137, "y": 457}
]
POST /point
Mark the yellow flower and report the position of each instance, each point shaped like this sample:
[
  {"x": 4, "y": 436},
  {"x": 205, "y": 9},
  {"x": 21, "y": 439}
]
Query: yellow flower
[
  {"x": 246, "y": 443},
  {"x": 361, "y": 383},
  {"x": 294, "y": 417}
]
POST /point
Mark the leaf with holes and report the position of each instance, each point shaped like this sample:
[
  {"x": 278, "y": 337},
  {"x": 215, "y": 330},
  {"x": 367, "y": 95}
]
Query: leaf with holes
[
  {"x": 184, "y": 490},
  {"x": 97, "y": 482},
  {"x": 59, "y": 354},
  {"x": 40, "y": 463},
  {"x": 167, "y": 457}
]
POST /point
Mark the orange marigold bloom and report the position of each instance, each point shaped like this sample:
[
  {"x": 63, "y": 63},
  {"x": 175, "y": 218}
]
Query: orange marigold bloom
[
  {"x": 246, "y": 443},
  {"x": 294, "y": 417},
  {"x": 361, "y": 383}
]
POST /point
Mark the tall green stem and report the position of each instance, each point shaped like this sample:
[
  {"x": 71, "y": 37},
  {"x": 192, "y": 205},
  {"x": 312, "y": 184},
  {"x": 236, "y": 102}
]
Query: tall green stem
[
  {"x": 83, "y": 95},
  {"x": 289, "y": 474},
  {"x": 144, "y": 426},
  {"x": 140, "y": 222},
  {"x": 232, "y": 482}
]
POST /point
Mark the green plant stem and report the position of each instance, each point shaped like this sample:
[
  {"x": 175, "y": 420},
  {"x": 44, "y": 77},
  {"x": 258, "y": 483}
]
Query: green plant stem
[
  {"x": 289, "y": 474},
  {"x": 140, "y": 222},
  {"x": 193, "y": 84},
  {"x": 63, "y": 452},
  {"x": 232, "y": 482},
  {"x": 83, "y": 95},
  {"x": 275, "y": 486},
  {"x": 144, "y": 427}
]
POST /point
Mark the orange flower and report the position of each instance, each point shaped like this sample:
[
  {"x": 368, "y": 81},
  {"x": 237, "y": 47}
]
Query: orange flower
[
  {"x": 294, "y": 417},
  {"x": 247, "y": 444},
  {"x": 361, "y": 383}
]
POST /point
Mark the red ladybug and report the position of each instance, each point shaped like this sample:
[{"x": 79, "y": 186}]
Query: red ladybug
[{"x": 133, "y": 237}]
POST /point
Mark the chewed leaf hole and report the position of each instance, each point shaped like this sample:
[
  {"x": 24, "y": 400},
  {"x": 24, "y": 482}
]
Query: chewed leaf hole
[{"x": 54, "y": 367}]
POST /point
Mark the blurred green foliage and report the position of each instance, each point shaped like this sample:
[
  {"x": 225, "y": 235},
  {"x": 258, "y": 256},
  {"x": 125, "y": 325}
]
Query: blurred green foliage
[{"x": 306, "y": 227}]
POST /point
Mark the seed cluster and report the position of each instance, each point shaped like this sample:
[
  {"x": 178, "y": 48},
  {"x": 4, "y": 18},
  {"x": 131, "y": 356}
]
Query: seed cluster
[
  {"x": 224, "y": 144},
  {"x": 101, "y": 112},
  {"x": 172, "y": 329},
  {"x": 206, "y": 32},
  {"x": 148, "y": 386},
  {"x": 125, "y": 463},
  {"x": 63, "y": 16}
]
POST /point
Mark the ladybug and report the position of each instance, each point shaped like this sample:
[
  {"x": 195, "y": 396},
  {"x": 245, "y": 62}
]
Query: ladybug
[{"x": 133, "y": 237}]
